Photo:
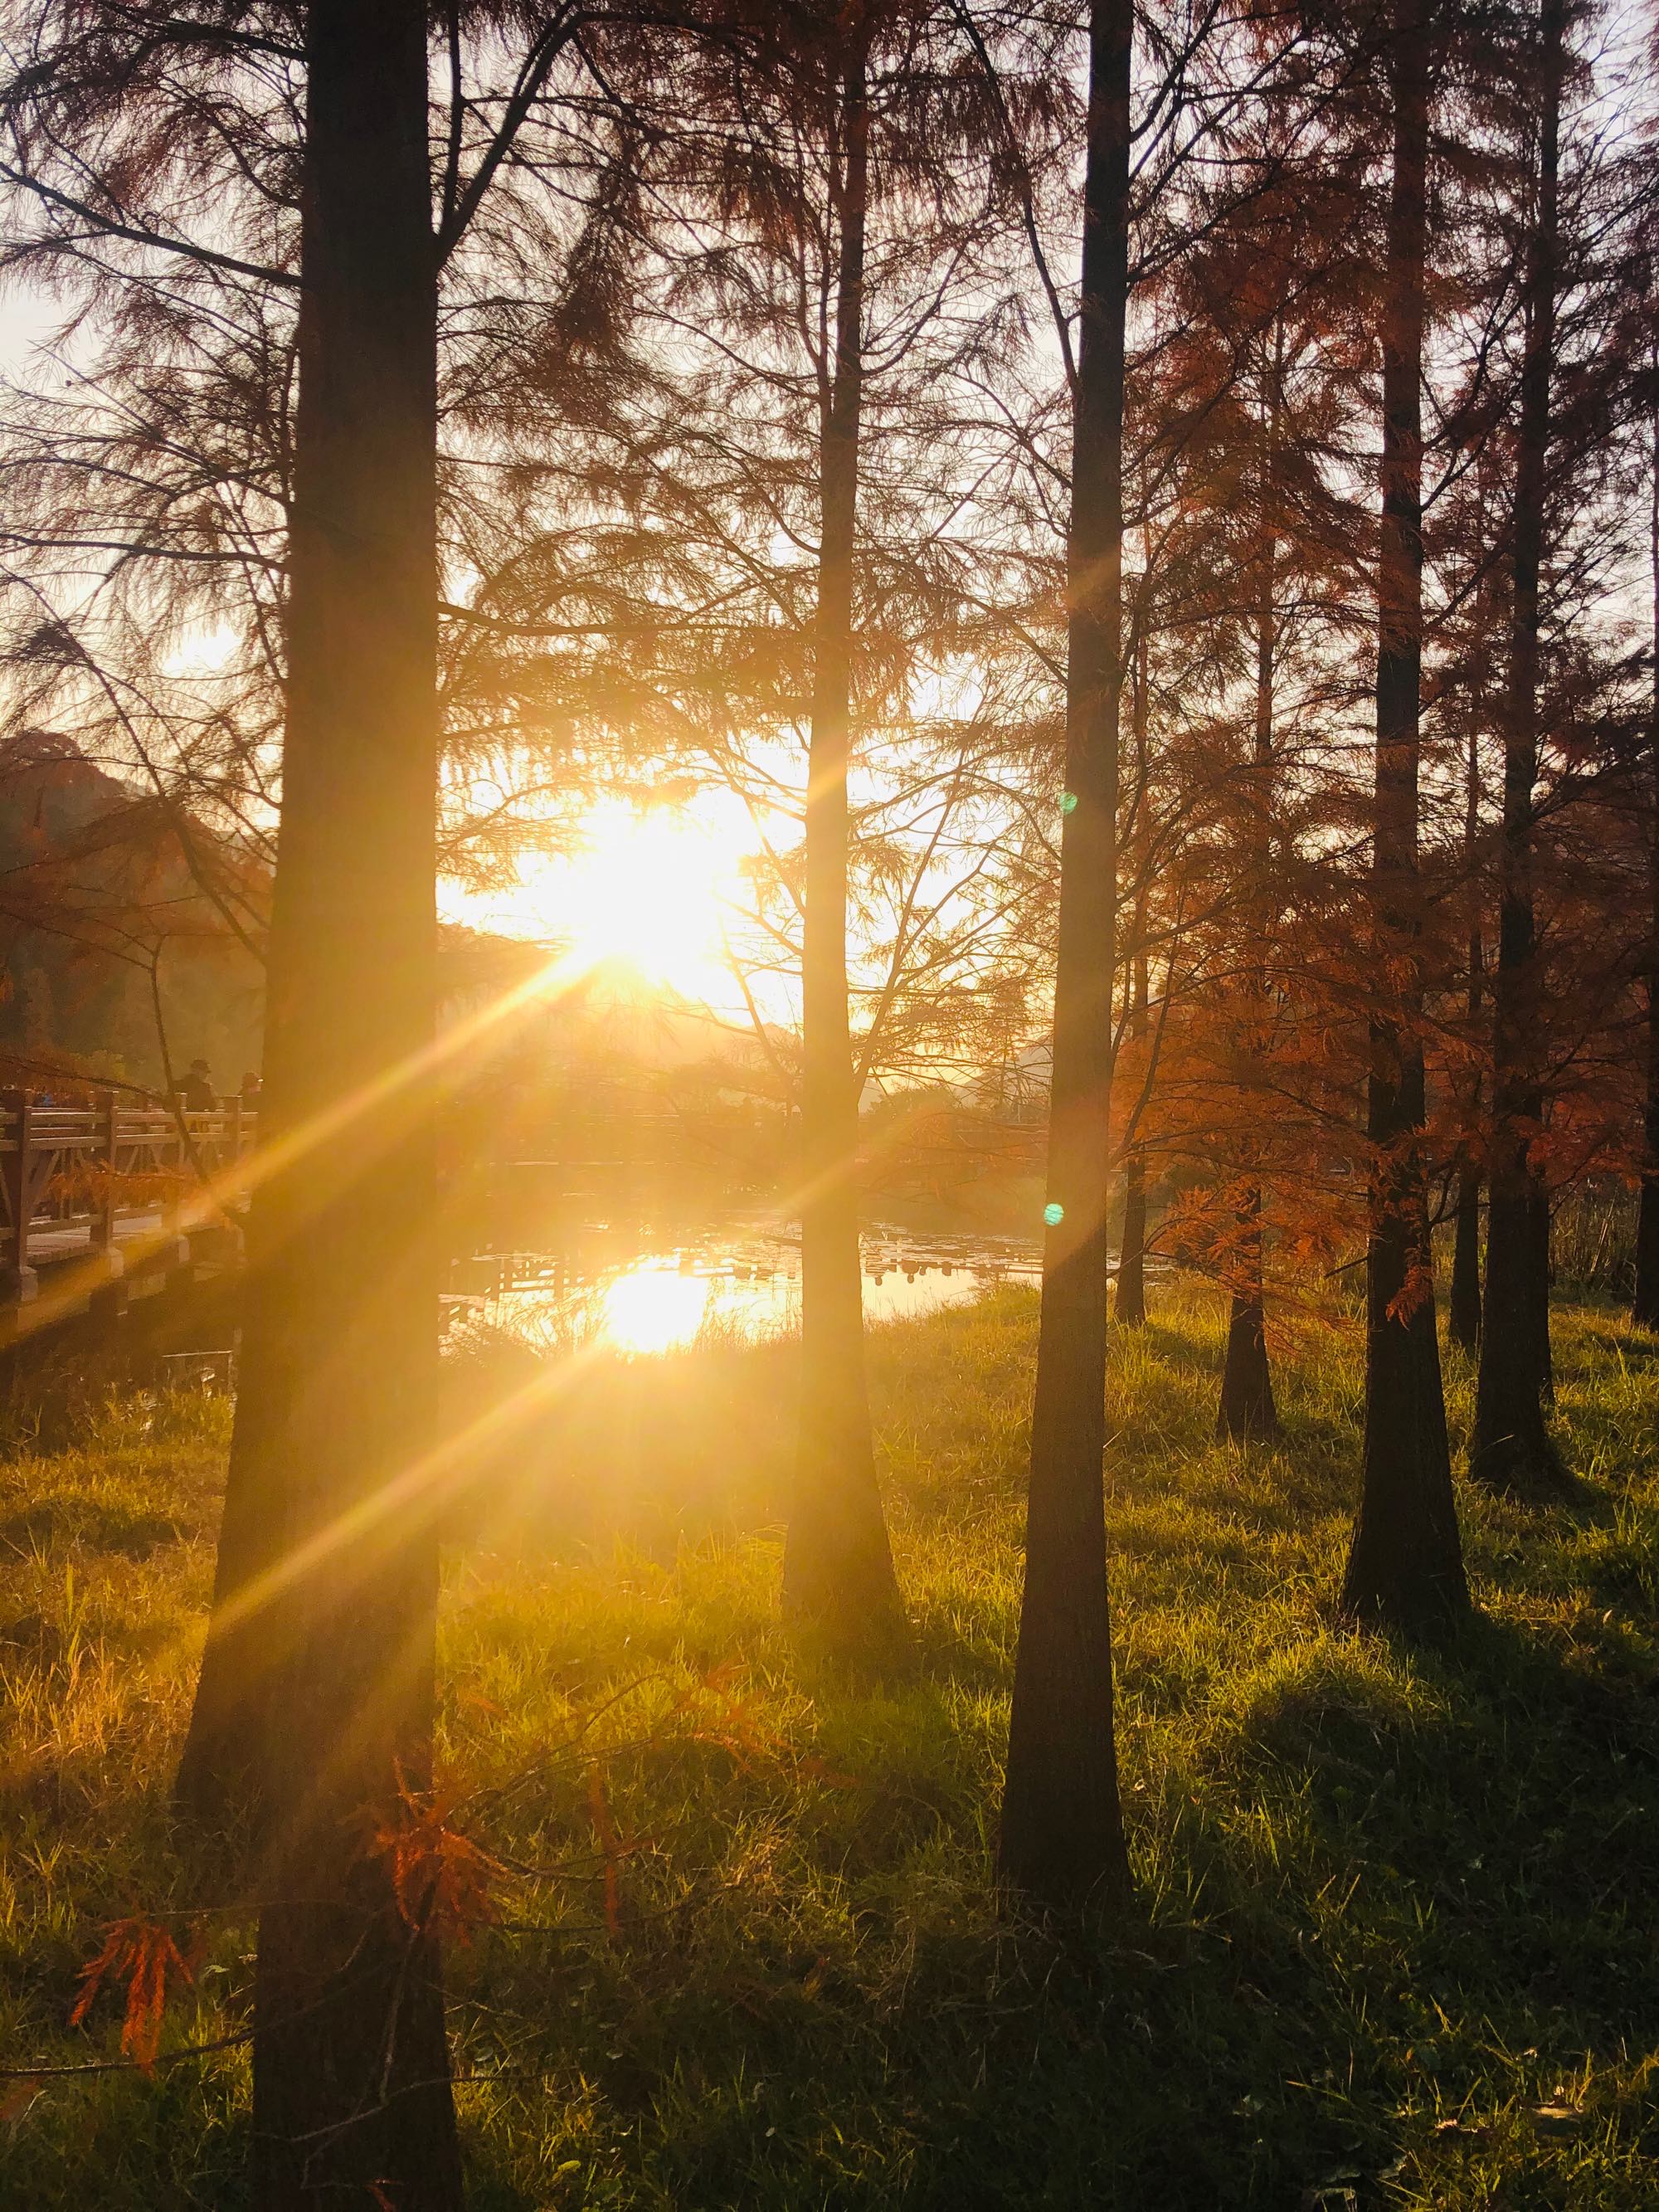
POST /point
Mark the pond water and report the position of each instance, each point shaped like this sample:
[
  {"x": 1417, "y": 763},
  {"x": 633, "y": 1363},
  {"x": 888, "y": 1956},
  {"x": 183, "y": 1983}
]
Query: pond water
[{"x": 630, "y": 1292}]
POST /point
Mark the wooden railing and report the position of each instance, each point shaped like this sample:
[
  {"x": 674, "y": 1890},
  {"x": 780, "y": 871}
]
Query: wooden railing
[{"x": 78, "y": 1181}]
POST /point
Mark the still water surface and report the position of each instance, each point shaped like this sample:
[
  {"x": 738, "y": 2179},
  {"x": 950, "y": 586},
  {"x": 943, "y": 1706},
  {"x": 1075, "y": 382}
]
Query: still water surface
[{"x": 637, "y": 1293}]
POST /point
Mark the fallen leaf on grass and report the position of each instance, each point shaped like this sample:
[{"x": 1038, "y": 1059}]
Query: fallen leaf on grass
[
  {"x": 1556, "y": 2116},
  {"x": 16, "y": 2096}
]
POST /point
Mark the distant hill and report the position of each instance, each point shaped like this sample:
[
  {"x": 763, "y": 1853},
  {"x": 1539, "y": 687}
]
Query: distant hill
[{"x": 107, "y": 907}]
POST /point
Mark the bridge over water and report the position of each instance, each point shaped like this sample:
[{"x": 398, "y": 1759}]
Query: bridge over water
[
  {"x": 106, "y": 1198},
  {"x": 99, "y": 1198}
]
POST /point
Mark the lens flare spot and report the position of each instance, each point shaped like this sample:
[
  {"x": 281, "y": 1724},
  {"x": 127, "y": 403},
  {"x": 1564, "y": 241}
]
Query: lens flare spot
[
  {"x": 653, "y": 1308},
  {"x": 1054, "y": 1213}
]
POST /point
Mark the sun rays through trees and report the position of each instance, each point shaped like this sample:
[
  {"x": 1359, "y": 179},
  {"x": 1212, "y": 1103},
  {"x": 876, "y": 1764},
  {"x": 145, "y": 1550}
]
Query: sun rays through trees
[{"x": 894, "y": 1445}]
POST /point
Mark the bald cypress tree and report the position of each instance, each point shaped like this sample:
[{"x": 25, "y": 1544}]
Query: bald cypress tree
[
  {"x": 1062, "y": 1838},
  {"x": 838, "y": 1564},
  {"x": 1405, "y": 1565},
  {"x": 1510, "y": 1448},
  {"x": 330, "y": 1562},
  {"x": 1246, "y": 1412},
  {"x": 1644, "y": 1305}
]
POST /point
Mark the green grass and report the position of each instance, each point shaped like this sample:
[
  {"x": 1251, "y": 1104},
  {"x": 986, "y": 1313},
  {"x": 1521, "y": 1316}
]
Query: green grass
[{"x": 1400, "y": 1912}]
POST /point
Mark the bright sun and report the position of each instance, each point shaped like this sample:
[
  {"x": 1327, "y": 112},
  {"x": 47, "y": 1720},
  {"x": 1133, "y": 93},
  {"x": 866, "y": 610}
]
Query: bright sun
[
  {"x": 645, "y": 892},
  {"x": 648, "y": 891}
]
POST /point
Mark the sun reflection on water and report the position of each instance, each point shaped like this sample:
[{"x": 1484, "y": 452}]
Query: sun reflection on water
[
  {"x": 744, "y": 1291},
  {"x": 653, "y": 1307}
]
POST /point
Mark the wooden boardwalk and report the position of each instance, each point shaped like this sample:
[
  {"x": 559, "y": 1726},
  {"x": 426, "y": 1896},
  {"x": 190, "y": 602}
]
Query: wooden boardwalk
[{"x": 92, "y": 1196}]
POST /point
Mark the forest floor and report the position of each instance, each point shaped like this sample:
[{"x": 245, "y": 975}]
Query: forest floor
[{"x": 1398, "y": 1932}]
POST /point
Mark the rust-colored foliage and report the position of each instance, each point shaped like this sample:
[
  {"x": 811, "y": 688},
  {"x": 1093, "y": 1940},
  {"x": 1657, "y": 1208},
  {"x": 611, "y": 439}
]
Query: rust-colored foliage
[
  {"x": 442, "y": 1879},
  {"x": 90, "y": 1186},
  {"x": 733, "y": 1727},
  {"x": 1416, "y": 1290},
  {"x": 142, "y": 1954}
]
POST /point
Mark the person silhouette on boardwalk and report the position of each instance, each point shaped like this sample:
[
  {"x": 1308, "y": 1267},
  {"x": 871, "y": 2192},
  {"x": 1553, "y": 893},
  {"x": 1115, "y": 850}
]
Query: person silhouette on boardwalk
[{"x": 196, "y": 1091}]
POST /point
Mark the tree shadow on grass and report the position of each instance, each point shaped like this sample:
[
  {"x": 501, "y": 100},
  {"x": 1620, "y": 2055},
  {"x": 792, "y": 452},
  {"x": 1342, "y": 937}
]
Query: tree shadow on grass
[
  {"x": 1380, "y": 1887},
  {"x": 1428, "y": 1872}
]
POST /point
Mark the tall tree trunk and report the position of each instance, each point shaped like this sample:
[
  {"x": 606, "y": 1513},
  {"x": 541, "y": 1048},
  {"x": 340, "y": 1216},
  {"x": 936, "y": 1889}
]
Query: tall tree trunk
[
  {"x": 1645, "y": 1305},
  {"x": 1406, "y": 1565},
  {"x": 1129, "y": 1306},
  {"x": 838, "y": 1565},
  {"x": 1062, "y": 1838},
  {"x": 1464, "y": 1311},
  {"x": 1247, "y": 1413},
  {"x": 1542, "y": 1281},
  {"x": 1510, "y": 1448},
  {"x": 317, "y": 1688},
  {"x": 1463, "y": 1306},
  {"x": 1129, "y": 1301}
]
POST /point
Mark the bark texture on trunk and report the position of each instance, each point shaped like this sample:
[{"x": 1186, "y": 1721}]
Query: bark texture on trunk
[
  {"x": 838, "y": 1565},
  {"x": 1405, "y": 1564},
  {"x": 1246, "y": 1412},
  {"x": 1129, "y": 1295},
  {"x": 1510, "y": 1448},
  {"x": 316, "y": 1696},
  {"x": 1463, "y": 1307},
  {"x": 1644, "y": 1307},
  {"x": 1543, "y": 1281},
  {"x": 1062, "y": 1840},
  {"x": 1129, "y": 1306}
]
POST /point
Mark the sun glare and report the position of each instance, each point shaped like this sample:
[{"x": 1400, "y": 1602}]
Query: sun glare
[
  {"x": 645, "y": 892},
  {"x": 654, "y": 1308},
  {"x": 649, "y": 892}
]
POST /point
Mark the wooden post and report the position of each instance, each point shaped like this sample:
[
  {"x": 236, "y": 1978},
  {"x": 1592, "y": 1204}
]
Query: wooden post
[
  {"x": 103, "y": 1157},
  {"x": 108, "y": 1301},
  {"x": 18, "y": 1281}
]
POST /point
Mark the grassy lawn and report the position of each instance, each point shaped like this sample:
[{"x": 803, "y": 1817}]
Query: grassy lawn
[{"x": 1400, "y": 1931}]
